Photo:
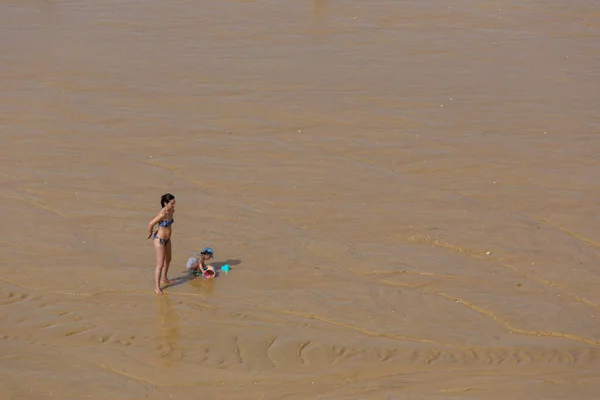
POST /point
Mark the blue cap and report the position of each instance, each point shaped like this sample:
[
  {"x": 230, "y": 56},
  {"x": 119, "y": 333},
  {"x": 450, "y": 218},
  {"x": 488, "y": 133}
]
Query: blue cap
[{"x": 208, "y": 250}]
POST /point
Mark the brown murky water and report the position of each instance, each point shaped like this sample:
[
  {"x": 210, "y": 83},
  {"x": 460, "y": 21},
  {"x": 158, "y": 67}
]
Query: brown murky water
[{"x": 407, "y": 193}]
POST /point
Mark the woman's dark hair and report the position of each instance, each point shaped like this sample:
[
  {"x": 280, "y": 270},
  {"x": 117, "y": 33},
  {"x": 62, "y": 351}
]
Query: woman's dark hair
[{"x": 165, "y": 199}]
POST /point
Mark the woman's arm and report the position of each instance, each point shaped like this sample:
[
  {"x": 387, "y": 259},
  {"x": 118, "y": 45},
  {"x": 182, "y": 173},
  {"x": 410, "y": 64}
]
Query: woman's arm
[{"x": 154, "y": 222}]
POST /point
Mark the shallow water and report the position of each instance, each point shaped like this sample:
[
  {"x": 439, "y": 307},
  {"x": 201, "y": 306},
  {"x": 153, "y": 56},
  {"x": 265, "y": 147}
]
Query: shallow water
[{"x": 406, "y": 193}]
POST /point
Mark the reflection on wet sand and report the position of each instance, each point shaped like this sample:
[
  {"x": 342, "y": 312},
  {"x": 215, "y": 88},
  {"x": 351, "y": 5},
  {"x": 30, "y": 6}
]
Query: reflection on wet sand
[
  {"x": 202, "y": 286},
  {"x": 168, "y": 333}
]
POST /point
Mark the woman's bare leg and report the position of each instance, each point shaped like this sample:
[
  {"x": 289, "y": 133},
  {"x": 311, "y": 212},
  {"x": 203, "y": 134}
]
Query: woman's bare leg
[
  {"x": 166, "y": 264},
  {"x": 160, "y": 262}
]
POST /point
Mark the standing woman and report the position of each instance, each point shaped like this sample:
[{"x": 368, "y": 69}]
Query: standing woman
[{"x": 162, "y": 240}]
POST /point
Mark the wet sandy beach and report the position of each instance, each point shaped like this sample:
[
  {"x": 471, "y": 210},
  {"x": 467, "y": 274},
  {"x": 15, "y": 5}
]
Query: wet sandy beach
[{"x": 406, "y": 192}]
